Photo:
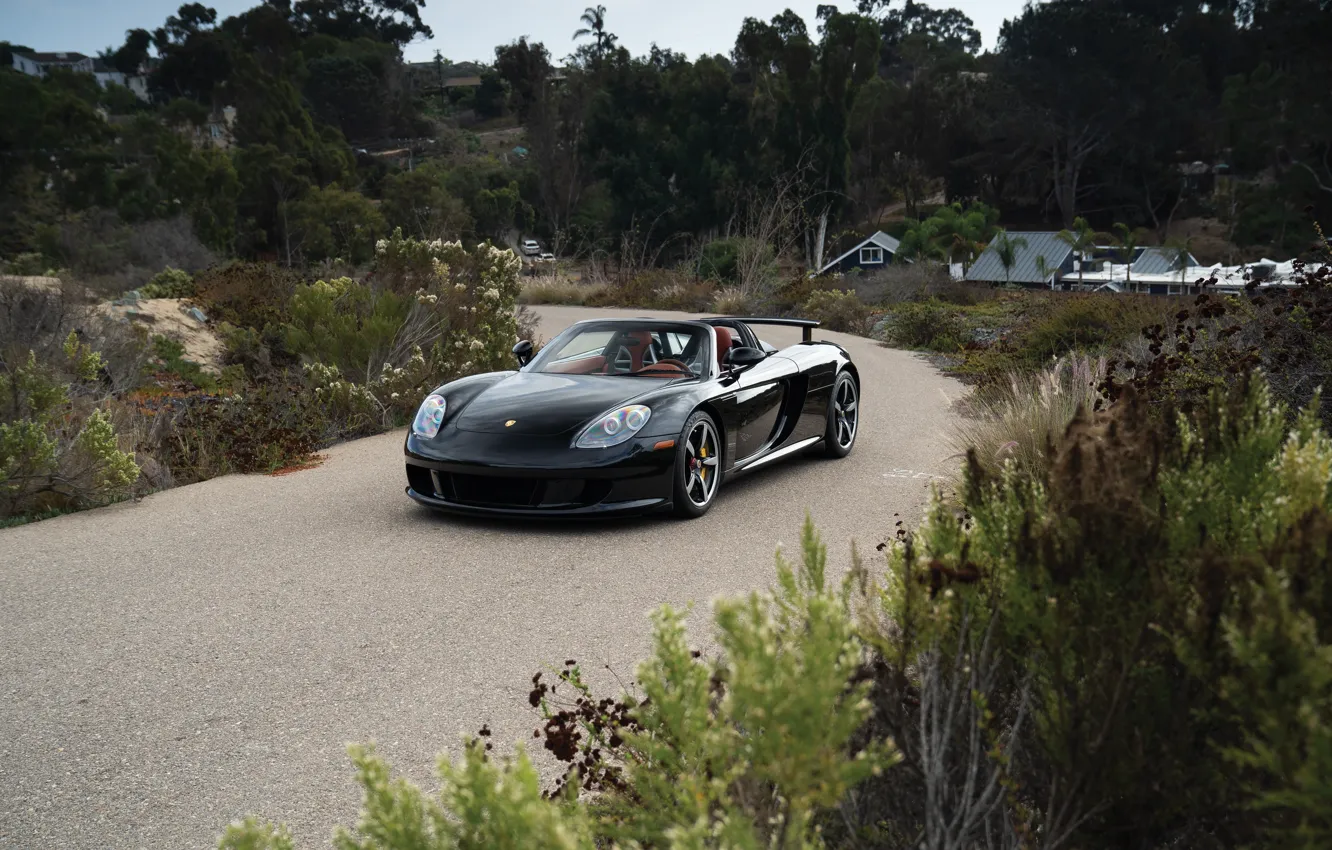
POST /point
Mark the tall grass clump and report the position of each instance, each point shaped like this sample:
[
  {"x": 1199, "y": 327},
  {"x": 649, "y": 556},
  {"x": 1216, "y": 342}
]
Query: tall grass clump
[{"x": 1016, "y": 421}]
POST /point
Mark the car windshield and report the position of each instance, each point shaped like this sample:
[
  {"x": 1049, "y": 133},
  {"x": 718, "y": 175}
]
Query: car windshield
[{"x": 653, "y": 350}]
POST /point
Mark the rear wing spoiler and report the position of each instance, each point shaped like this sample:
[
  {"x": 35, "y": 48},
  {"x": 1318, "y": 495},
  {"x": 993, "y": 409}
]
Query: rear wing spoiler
[{"x": 807, "y": 326}]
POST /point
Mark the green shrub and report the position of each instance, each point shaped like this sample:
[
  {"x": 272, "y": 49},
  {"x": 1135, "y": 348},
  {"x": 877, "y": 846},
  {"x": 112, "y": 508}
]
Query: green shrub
[
  {"x": 837, "y": 311},
  {"x": 751, "y": 263},
  {"x": 792, "y": 294},
  {"x": 57, "y": 448},
  {"x": 169, "y": 283},
  {"x": 248, "y": 348},
  {"x": 461, "y": 320},
  {"x": 1089, "y": 323},
  {"x": 930, "y": 325},
  {"x": 748, "y": 751},
  {"x": 171, "y": 359},
  {"x": 1147, "y": 626},
  {"x": 28, "y": 264},
  {"x": 345, "y": 324}
]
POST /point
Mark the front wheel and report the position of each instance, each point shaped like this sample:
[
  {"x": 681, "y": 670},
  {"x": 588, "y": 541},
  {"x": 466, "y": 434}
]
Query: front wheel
[
  {"x": 843, "y": 417},
  {"x": 697, "y": 466}
]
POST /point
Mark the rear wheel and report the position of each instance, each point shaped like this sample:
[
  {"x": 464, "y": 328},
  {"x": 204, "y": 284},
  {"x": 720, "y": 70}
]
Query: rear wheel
[
  {"x": 697, "y": 466},
  {"x": 843, "y": 417}
]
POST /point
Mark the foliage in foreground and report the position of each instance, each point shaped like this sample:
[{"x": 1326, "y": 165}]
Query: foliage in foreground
[
  {"x": 1151, "y": 614},
  {"x": 58, "y": 447},
  {"x": 1130, "y": 646},
  {"x": 306, "y": 364},
  {"x": 745, "y": 751}
]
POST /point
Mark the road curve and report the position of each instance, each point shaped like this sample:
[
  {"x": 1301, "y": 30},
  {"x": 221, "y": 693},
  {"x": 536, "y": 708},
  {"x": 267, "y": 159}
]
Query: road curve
[{"x": 173, "y": 664}]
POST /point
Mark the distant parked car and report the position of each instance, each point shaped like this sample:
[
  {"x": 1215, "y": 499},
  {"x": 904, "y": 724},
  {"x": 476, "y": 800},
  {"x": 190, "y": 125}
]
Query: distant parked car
[
  {"x": 546, "y": 257},
  {"x": 531, "y": 247}
]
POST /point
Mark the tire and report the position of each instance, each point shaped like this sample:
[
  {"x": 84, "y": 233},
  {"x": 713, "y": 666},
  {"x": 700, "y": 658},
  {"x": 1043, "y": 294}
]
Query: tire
[
  {"x": 839, "y": 435},
  {"x": 698, "y": 467}
]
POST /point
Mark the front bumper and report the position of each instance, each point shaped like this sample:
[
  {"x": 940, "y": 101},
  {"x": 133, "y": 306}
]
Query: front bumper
[{"x": 489, "y": 475}]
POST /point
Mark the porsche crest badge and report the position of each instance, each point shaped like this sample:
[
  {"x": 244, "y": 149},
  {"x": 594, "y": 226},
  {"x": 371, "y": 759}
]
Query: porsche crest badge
[{"x": 509, "y": 424}]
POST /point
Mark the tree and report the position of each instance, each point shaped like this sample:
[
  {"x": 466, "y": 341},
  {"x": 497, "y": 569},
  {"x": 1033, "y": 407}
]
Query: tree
[
  {"x": 394, "y": 22},
  {"x": 1047, "y": 271},
  {"x": 1081, "y": 70},
  {"x": 1127, "y": 241},
  {"x": 594, "y": 24},
  {"x": 1081, "y": 239},
  {"x": 1006, "y": 247},
  {"x": 130, "y": 57},
  {"x": 1180, "y": 251},
  {"x": 419, "y": 202},
  {"x": 334, "y": 223}
]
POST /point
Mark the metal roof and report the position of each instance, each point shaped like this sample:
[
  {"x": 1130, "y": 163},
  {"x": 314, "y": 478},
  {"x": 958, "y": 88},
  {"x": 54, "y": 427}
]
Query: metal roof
[
  {"x": 988, "y": 269},
  {"x": 56, "y": 58},
  {"x": 883, "y": 240},
  {"x": 1159, "y": 261}
]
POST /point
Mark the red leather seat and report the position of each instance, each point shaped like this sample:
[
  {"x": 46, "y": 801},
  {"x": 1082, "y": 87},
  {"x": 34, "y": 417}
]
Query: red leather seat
[
  {"x": 638, "y": 343},
  {"x": 725, "y": 339}
]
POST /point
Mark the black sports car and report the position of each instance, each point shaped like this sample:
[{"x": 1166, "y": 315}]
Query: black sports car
[{"x": 622, "y": 416}]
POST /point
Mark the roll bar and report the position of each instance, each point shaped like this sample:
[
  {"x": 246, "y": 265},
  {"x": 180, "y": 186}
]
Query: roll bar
[{"x": 806, "y": 325}]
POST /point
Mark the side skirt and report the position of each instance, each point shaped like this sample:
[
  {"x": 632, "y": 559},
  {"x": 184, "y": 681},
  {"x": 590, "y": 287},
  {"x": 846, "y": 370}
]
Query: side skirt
[{"x": 780, "y": 453}]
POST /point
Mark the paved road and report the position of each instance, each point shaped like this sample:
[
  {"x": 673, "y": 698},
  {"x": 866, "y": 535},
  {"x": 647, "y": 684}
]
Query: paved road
[{"x": 170, "y": 665}]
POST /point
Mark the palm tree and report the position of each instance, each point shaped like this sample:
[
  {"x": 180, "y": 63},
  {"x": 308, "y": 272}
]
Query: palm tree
[
  {"x": 594, "y": 24},
  {"x": 1128, "y": 242},
  {"x": 1045, "y": 270},
  {"x": 1006, "y": 247},
  {"x": 1180, "y": 251},
  {"x": 1080, "y": 239}
]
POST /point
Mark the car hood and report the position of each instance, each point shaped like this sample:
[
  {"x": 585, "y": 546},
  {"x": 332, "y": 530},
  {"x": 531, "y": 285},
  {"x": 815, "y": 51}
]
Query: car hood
[{"x": 545, "y": 404}]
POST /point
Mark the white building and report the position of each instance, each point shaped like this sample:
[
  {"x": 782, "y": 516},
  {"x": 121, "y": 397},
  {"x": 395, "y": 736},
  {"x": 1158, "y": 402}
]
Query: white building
[{"x": 41, "y": 64}]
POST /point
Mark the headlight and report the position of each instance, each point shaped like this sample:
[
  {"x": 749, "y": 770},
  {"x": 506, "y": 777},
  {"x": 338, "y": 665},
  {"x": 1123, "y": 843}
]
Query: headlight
[
  {"x": 614, "y": 428},
  {"x": 429, "y": 417}
]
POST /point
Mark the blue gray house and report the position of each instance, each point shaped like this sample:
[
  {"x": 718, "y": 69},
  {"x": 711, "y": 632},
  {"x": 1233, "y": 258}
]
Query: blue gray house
[
  {"x": 1027, "y": 269},
  {"x": 1060, "y": 264},
  {"x": 874, "y": 253}
]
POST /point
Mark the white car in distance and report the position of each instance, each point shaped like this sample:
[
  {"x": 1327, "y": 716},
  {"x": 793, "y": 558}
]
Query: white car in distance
[{"x": 531, "y": 247}]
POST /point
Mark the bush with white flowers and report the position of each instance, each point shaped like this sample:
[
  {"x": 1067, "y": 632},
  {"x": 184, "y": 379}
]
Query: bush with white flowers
[{"x": 431, "y": 311}]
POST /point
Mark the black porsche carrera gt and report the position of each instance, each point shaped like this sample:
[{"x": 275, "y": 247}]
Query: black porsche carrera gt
[{"x": 628, "y": 416}]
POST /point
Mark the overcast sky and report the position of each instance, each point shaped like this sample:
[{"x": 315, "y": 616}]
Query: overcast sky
[{"x": 467, "y": 29}]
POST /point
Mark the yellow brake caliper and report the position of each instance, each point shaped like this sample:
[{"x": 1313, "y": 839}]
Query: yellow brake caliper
[{"x": 703, "y": 469}]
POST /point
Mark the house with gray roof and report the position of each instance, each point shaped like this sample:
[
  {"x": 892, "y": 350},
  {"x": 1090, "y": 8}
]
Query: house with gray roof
[
  {"x": 873, "y": 253},
  {"x": 41, "y": 64},
  {"x": 1062, "y": 265},
  {"x": 1160, "y": 261},
  {"x": 1026, "y": 270}
]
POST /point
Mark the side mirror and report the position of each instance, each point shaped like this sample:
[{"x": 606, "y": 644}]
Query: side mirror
[
  {"x": 523, "y": 351},
  {"x": 743, "y": 357}
]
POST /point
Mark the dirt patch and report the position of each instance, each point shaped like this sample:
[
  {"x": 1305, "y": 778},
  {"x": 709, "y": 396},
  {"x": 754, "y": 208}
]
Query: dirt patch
[{"x": 169, "y": 317}]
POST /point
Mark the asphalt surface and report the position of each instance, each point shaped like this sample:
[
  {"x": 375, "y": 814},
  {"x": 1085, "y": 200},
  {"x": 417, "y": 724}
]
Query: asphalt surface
[{"x": 170, "y": 665}]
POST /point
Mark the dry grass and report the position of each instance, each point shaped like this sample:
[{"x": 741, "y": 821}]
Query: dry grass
[
  {"x": 732, "y": 301},
  {"x": 557, "y": 290},
  {"x": 1015, "y": 421},
  {"x": 896, "y": 284}
]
